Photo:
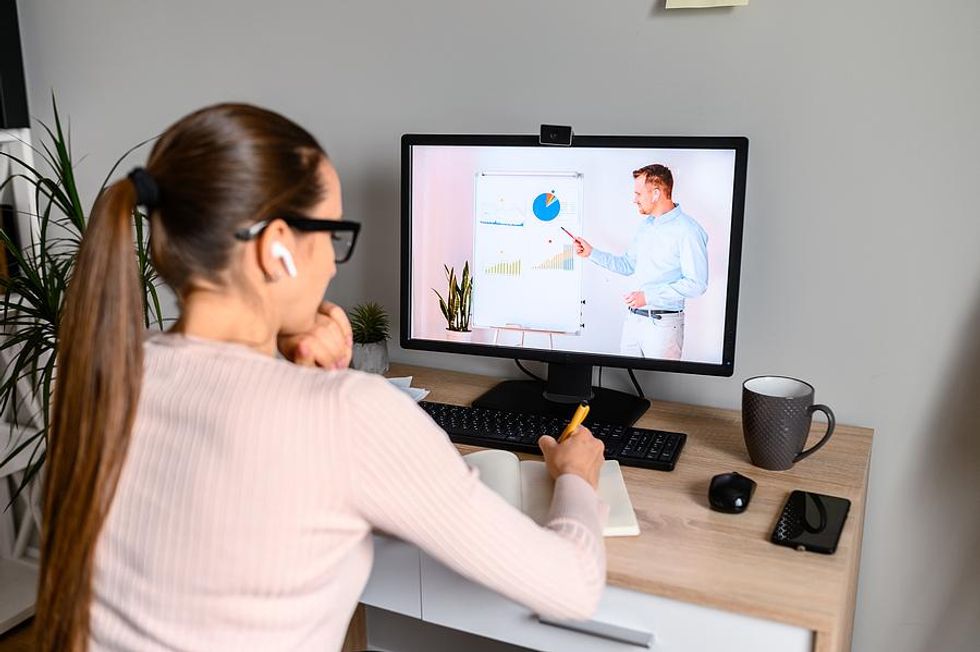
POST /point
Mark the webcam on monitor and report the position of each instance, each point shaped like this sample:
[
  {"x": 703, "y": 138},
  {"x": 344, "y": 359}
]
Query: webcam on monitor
[{"x": 559, "y": 135}]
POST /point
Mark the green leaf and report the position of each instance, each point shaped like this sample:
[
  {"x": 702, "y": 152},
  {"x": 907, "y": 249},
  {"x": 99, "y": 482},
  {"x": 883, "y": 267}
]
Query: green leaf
[
  {"x": 369, "y": 323},
  {"x": 467, "y": 305},
  {"x": 29, "y": 440},
  {"x": 115, "y": 166},
  {"x": 453, "y": 300},
  {"x": 443, "y": 307},
  {"x": 66, "y": 170}
]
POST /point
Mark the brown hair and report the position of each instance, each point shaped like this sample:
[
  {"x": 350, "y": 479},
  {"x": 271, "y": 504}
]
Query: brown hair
[
  {"x": 659, "y": 175},
  {"x": 217, "y": 169}
]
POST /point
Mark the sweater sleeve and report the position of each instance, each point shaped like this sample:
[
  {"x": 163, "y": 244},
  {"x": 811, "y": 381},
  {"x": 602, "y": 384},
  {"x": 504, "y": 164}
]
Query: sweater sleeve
[{"x": 408, "y": 480}]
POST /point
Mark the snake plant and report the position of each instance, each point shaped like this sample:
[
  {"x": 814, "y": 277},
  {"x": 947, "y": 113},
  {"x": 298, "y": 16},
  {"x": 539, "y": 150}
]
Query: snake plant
[{"x": 458, "y": 303}]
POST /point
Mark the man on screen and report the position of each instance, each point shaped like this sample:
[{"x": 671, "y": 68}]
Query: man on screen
[{"x": 669, "y": 260}]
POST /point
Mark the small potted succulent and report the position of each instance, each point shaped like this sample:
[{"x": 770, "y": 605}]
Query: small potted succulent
[
  {"x": 370, "y": 325},
  {"x": 458, "y": 304}
]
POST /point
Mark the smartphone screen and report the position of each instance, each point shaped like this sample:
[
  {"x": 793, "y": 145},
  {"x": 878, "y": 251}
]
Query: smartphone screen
[{"x": 811, "y": 522}]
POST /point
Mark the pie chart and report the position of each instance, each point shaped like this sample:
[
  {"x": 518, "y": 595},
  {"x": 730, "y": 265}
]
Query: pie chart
[{"x": 546, "y": 206}]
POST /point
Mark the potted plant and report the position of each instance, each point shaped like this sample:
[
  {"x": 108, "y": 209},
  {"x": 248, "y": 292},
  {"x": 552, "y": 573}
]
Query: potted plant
[
  {"x": 370, "y": 325},
  {"x": 458, "y": 304},
  {"x": 31, "y": 301}
]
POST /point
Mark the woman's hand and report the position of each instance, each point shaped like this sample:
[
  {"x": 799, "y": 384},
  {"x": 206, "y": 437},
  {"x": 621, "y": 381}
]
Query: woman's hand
[
  {"x": 580, "y": 454},
  {"x": 329, "y": 344}
]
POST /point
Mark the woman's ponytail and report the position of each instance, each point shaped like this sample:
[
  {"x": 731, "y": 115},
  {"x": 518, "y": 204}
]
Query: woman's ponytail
[{"x": 99, "y": 371}]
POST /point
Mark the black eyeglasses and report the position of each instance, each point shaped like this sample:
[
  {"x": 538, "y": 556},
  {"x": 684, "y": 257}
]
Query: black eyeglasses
[{"x": 343, "y": 233}]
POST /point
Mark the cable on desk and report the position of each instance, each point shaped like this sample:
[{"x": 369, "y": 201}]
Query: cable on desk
[
  {"x": 524, "y": 369},
  {"x": 636, "y": 383}
]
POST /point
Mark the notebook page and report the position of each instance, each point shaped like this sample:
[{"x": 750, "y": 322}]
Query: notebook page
[
  {"x": 538, "y": 487},
  {"x": 612, "y": 489},
  {"x": 499, "y": 470}
]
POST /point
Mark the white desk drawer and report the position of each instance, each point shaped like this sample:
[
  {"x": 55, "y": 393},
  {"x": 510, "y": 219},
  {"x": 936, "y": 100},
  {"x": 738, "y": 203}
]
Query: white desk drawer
[
  {"x": 452, "y": 601},
  {"x": 394, "y": 583}
]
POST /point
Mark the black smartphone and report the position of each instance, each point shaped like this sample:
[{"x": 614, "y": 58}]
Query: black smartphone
[{"x": 811, "y": 522}]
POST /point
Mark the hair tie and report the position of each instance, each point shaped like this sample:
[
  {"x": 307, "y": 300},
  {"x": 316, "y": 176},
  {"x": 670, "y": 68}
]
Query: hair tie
[{"x": 147, "y": 190}]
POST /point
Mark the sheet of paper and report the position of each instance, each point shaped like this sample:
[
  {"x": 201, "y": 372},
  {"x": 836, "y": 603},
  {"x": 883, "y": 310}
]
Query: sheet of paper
[
  {"x": 702, "y": 4},
  {"x": 417, "y": 393},
  {"x": 401, "y": 382},
  {"x": 404, "y": 383}
]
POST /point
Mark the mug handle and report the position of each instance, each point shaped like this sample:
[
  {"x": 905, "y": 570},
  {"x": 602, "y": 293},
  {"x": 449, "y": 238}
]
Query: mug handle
[{"x": 831, "y": 422}]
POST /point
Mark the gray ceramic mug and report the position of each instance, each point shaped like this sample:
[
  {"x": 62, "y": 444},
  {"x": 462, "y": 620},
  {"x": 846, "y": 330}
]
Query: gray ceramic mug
[{"x": 776, "y": 416}]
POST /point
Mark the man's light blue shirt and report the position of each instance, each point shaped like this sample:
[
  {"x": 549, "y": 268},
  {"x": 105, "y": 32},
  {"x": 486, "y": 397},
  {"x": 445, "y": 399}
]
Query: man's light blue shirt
[{"x": 669, "y": 257}]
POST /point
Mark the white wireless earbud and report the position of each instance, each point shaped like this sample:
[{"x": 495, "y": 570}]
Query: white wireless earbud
[{"x": 279, "y": 251}]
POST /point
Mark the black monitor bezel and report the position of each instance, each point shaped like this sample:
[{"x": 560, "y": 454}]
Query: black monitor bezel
[{"x": 727, "y": 365}]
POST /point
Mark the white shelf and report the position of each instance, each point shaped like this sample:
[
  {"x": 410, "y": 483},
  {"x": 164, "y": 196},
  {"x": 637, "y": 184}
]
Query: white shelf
[
  {"x": 15, "y": 135},
  {"x": 18, "y": 575},
  {"x": 17, "y": 142},
  {"x": 18, "y": 589}
]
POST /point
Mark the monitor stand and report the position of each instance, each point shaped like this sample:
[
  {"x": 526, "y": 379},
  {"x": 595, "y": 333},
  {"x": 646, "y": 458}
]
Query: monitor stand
[{"x": 567, "y": 385}]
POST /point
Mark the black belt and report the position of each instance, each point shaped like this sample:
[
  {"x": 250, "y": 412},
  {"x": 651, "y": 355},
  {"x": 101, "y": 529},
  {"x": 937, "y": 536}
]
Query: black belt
[{"x": 653, "y": 313}]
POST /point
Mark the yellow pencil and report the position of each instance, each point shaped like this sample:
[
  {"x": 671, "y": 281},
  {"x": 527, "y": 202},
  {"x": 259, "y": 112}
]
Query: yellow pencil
[{"x": 581, "y": 412}]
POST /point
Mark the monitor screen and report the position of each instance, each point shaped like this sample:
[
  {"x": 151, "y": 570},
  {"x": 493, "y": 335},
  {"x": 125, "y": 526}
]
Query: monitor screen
[{"x": 616, "y": 251}]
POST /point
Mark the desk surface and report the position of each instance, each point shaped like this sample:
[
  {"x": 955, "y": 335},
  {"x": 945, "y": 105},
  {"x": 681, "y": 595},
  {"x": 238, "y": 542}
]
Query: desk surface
[{"x": 688, "y": 552}]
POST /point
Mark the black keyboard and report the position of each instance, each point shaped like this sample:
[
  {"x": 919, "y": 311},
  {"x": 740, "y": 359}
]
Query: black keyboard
[{"x": 648, "y": 449}]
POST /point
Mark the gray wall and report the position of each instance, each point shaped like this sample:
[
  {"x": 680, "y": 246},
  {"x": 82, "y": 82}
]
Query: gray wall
[{"x": 860, "y": 267}]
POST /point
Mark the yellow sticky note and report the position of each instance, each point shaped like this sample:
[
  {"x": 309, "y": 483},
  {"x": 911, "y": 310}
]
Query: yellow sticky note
[{"x": 702, "y": 4}]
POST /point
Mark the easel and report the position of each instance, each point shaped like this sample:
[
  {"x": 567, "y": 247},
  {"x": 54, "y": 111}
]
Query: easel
[{"x": 524, "y": 331}]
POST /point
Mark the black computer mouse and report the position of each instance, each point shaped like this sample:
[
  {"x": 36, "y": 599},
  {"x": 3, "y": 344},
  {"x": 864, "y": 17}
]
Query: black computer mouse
[{"x": 730, "y": 492}]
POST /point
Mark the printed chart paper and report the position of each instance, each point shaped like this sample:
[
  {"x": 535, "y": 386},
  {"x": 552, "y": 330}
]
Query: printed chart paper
[{"x": 520, "y": 249}]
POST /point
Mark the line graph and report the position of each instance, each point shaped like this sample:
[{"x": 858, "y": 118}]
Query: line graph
[{"x": 499, "y": 223}]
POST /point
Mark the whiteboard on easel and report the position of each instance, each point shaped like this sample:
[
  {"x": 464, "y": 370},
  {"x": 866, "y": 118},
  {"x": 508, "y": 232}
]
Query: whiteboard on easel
[{"x": 526, "y": 275}]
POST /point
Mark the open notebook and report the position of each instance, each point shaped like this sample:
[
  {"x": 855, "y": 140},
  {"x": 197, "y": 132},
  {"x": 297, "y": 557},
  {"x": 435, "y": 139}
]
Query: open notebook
[{"x": 528, "y": 487}]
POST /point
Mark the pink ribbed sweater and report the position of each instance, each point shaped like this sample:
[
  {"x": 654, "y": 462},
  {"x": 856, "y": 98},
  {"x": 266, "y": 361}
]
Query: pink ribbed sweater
[{"x": 244, "y": 510}]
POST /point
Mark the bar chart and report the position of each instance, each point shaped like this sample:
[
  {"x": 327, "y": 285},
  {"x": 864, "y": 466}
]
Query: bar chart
[
  {"x": 564, "y": 261},
  {"x": 505, "y": 268}
]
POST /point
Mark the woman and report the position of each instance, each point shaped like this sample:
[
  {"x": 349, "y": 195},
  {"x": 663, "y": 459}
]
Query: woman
[{"x": 203, "y": 494}]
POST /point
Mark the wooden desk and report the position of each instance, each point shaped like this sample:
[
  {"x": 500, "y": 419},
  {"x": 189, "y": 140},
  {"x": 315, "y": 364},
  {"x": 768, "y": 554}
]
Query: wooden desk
[{"x": 688, "y": 553}]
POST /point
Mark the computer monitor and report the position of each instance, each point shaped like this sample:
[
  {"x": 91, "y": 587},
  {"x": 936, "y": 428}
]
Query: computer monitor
[{"x": 617, "y": 251}]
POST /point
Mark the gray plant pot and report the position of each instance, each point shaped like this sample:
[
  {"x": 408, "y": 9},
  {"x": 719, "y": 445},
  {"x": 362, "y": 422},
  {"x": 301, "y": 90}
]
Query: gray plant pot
[{"x": 372, "y": 358}]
